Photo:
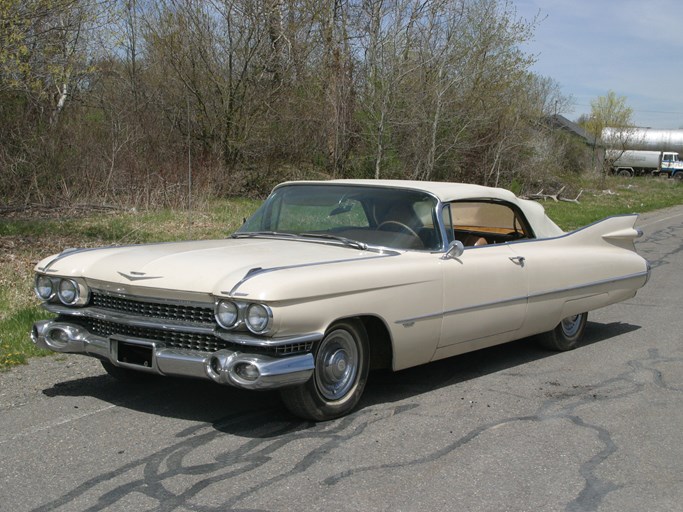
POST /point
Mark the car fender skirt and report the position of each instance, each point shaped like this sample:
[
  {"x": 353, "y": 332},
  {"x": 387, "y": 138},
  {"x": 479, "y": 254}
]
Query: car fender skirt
[{"x": 578, "y": 306}]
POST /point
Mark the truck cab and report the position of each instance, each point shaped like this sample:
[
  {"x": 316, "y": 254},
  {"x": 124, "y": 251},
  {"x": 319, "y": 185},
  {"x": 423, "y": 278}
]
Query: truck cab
[{"x": 671, "y": 165}]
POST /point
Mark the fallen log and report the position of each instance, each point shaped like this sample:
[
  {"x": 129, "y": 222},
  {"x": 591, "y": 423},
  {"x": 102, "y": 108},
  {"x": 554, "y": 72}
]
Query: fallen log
[{"x": 540, "y": 195}]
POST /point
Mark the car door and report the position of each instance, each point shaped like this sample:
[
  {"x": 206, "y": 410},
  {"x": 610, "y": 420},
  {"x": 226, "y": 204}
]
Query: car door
[
  {"x": 486, "y": 288},
  {"x": 485, "y": 294}
]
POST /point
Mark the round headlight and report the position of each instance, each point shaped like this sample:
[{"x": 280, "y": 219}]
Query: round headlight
[
  {"x": 68, "y": 292},
  {"x": 258, "y": 318},
  {"x": 226, "y": 314},
  {"x": 44, "y": 289}
]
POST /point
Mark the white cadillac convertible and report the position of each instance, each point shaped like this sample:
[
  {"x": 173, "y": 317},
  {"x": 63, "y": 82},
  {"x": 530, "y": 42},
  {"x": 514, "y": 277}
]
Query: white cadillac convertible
[{"x": 330, "y": 279}]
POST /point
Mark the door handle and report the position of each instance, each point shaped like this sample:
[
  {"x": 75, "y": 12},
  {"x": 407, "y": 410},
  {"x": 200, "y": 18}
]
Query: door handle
[{"x": 518, "y": 260}]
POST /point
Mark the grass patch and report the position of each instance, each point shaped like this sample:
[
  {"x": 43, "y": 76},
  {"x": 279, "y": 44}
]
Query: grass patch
[
  {"x": 613, "y": 196},
  {"x": 15, "y": 329},
  {"x": 25, "y": 241}
]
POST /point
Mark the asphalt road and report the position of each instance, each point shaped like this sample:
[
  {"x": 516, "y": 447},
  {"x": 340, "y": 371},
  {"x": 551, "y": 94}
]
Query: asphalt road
[{"x": 510, "y": 428}]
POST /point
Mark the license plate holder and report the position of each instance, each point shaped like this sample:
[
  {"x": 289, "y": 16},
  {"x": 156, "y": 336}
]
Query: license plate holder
[{"x": 134, "y": 353}]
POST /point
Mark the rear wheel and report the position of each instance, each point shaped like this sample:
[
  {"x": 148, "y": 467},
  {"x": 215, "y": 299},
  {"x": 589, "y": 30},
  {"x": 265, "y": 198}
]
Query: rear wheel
[
  {"x": 566, "y": 335},
  {"x": 341, "y": 370}
]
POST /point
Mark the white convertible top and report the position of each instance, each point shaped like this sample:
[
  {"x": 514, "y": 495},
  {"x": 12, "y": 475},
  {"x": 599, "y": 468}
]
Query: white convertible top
[{"x": 446, "y": 192}]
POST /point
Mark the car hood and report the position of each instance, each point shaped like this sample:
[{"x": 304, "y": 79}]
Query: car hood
[{"x": 211, "y": 266}]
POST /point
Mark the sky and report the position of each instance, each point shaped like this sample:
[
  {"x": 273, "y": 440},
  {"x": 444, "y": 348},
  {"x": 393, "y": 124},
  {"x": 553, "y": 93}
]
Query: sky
[{"x": 632, "y": 47}]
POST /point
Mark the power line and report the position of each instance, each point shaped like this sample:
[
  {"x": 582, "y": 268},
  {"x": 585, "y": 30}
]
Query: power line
[{"x": 638, "y": 110}]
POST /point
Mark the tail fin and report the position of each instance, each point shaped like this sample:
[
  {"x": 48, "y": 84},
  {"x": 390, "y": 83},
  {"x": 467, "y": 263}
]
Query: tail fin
[{"x": 618, "y": 230}]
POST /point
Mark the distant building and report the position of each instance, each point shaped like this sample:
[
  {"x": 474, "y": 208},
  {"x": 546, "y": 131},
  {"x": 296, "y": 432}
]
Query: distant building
[{"x": 559, "y": 122}]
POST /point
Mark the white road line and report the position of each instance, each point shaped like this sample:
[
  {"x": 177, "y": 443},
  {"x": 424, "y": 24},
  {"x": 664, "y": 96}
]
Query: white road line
[
  {"x": 660, "y": 220},
  {"x": 57, "y": 423}
]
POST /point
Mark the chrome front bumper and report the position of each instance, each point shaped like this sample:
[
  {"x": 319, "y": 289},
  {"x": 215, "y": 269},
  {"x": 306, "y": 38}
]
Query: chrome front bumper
[{"x": 234, "y": 368}]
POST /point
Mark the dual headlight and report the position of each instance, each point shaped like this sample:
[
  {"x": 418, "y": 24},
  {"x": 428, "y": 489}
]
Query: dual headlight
[
  {"x": 70, "y": 292},
  {"x": 258, "y": 318}
]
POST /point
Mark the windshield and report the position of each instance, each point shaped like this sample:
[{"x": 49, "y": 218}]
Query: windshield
[{"x": 387, "y": 217}]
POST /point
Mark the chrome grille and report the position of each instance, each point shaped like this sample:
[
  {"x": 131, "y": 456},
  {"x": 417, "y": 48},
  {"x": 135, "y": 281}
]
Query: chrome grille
[
  {"x": 183, "y": 340},
  {"x": 174, "y": 339},
  {"x": 149, "y": 309},
  {"x": 293, "y": 348}
]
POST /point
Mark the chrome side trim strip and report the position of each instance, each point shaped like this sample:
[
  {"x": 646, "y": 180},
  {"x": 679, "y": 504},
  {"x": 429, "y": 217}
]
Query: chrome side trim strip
[
  {"x": 547, "y": 293},
  {"x": 464, "y": 309},
  {"x": 588, "y": 285}
]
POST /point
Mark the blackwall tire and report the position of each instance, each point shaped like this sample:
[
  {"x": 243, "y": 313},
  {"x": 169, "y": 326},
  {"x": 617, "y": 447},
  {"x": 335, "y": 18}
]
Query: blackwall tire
[
  {"x": 341, "y": 371},
  {"x": 566, "y": 335}
]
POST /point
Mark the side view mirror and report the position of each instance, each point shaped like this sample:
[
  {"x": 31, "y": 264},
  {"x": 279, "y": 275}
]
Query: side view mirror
[{"x": 454, "y": 251}]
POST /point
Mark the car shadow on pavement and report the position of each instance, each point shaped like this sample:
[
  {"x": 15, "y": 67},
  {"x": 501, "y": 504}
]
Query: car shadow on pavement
[
  {"x": 178, "y": 398},
  {"x": 261, "y": 414},
  {"x": 387, "y": 386}
]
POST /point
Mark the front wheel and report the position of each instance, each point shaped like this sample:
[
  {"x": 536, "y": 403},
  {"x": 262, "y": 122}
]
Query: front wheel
[
  {"x": 566, "y": 335},
  {"x": 341, "y": 370}
]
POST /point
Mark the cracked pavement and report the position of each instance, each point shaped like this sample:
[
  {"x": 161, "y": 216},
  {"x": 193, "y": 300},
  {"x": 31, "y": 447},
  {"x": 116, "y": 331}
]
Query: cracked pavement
[{"x": 511, "y": 428}]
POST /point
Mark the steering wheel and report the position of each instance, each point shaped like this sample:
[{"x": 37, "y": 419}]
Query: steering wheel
[{"x": 402, "y": 226}]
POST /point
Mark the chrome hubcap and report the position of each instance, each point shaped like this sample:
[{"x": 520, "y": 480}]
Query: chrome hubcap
[
  {"x": 571, "y": 325},
  {"x": 336, "y": 365}
]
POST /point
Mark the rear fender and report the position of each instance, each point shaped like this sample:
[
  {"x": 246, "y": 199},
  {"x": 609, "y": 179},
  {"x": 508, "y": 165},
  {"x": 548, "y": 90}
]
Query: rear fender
[{"x": 619, "y": 231}]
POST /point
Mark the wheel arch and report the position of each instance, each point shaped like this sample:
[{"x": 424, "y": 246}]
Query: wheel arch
[{"x": 379, "y": 340}]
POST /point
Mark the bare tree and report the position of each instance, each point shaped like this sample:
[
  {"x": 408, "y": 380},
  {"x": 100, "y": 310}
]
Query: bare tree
[
  {"x": 386, "y": 30},
  {"x": 262, "y": 89}
]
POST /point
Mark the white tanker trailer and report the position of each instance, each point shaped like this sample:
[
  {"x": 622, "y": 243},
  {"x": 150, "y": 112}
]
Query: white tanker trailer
[
  {"x": 638, "y": 151},
  {"x": 636, "y": 162}
]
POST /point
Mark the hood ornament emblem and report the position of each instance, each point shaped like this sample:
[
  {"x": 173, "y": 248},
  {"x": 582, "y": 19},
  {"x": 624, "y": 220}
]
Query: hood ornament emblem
[{"x": 137, "y": 276}]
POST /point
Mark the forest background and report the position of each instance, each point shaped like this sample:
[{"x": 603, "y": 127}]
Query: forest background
[{"x": 153, "y": 103}]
